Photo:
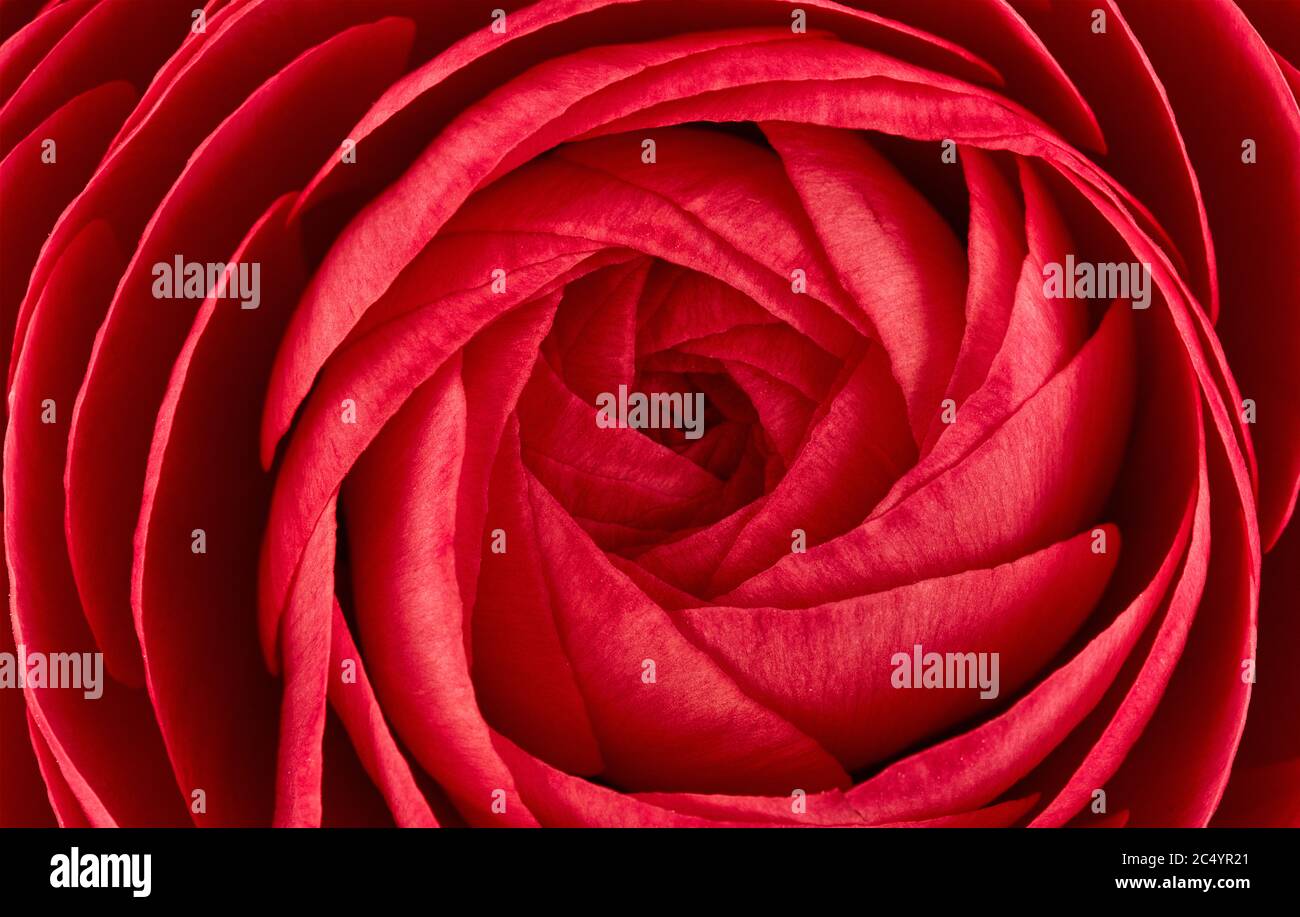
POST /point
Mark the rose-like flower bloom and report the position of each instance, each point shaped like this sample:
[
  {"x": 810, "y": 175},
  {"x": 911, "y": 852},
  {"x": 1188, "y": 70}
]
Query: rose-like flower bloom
[{"x": 590, "y": 412}]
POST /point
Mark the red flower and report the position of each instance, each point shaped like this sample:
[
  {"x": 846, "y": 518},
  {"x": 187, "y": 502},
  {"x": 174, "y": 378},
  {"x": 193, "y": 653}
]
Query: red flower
[{"x": 650, "y": 413}]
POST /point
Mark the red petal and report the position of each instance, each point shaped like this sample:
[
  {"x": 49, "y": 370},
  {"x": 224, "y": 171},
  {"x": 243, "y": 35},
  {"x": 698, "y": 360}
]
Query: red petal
[
  {"x": 1251, "y": 210},
  {"x": 195, "y": 615},
  {"x": 828, "y": 669},
  {"x": 105, "y": 748},
  {"x": 891, "y": 251},
  {"x": 227, "y": 185},
  {"x": 359, "y": 710},
  {"x": 1050, "y": 466},
  {"x": 400, "y": 513},
  {"x": 692, "y": 728}
]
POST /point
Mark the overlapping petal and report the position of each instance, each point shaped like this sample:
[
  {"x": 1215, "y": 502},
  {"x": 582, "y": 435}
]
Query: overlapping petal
[{"x": 435, "y": 587}]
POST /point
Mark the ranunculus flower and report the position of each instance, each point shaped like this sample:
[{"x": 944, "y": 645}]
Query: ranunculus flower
[{"x": 586, "y": 412}]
